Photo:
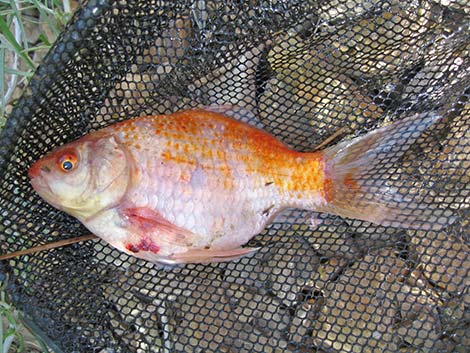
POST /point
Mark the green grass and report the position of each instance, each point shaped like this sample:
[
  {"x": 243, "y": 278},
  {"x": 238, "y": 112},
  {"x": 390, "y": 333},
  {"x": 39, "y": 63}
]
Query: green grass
[
  {"x": 12, "y": 331},
  {"x": 10, "y": 328},
  {"x": 28, "y": 28}
]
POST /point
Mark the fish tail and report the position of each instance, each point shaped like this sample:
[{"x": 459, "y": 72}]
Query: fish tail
[{"x": 359, "y": 180}]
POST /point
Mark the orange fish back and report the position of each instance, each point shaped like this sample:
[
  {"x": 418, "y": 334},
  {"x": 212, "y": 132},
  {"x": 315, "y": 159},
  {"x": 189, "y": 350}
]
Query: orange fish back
[{"x": 222, "y": 144}]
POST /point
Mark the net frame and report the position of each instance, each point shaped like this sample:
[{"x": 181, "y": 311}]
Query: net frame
[{"x": 309, "y": 288}]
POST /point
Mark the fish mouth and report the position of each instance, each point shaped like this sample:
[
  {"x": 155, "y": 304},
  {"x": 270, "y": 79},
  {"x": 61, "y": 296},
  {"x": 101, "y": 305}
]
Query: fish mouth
[{"x": 35, "y": 170}]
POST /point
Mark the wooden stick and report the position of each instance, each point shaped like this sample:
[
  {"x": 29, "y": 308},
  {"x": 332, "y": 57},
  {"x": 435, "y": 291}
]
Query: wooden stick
[
  {"x": 330, "y": 138},
  {"x": 56, "y": 244}
]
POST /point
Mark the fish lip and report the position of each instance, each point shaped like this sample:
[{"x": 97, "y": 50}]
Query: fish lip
[
  {"x": 36, "y": 178},
  {"x": 34, "y": 171}
]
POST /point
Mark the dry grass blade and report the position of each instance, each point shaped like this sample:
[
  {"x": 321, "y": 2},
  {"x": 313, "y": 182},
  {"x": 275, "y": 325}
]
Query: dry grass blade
[
  {"x": 330, "y": 138},
  {"x": 54, "y": 245}
]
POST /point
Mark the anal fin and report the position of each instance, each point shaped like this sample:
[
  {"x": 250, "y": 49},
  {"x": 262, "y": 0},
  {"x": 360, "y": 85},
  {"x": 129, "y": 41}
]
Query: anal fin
[{"x": 209, "y": 255}]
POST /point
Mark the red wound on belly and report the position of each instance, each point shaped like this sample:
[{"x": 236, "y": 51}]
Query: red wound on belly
[
  {"x": 148, "y": 245},
  {"x": 145, "y": 244},
  {"x": 132, "y": 248}
]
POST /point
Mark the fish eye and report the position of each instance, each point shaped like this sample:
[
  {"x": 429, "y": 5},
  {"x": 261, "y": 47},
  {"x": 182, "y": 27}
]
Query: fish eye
[
  {"x": 67, "y": 165},
  {"x": 68, "y": 162}
]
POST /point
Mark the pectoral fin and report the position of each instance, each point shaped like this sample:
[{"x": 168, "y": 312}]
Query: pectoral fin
[
  {"x": 148, "y": 221},
  {"x": 208, "y": 256}
]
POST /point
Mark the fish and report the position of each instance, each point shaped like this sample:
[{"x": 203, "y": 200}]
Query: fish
[{"x": 195, "y": 185}]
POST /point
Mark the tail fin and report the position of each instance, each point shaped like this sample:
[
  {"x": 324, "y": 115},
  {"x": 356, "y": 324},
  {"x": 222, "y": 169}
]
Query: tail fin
[{"x": 360, "y": 183}]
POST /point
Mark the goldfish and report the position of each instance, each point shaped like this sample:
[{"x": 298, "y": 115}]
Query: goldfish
[{"x": 195, "y": 185}]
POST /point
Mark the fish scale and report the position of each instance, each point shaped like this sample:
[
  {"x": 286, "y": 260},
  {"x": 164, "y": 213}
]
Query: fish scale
[{"x": 176, "y": 164}]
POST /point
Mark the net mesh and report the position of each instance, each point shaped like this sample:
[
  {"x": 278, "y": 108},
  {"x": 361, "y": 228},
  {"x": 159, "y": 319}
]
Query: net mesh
[{"x": 313, "y": 73}]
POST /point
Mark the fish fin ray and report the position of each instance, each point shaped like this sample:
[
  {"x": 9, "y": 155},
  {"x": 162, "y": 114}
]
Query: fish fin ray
[
  {"x": 209, "y": 255},
  {"x": 236, "y": 112},
  {"x": 147, "y": 220},
  {"x": 355, "y": 184}
]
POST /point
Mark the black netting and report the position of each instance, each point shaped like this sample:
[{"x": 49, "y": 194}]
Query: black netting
[{"x": 308, "y": 70}]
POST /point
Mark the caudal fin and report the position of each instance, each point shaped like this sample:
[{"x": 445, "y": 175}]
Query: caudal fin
[{"x": 361, "y": 184}]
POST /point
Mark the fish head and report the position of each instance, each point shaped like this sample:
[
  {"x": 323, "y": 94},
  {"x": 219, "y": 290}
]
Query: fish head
[{"x": 83, "y": 177}]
